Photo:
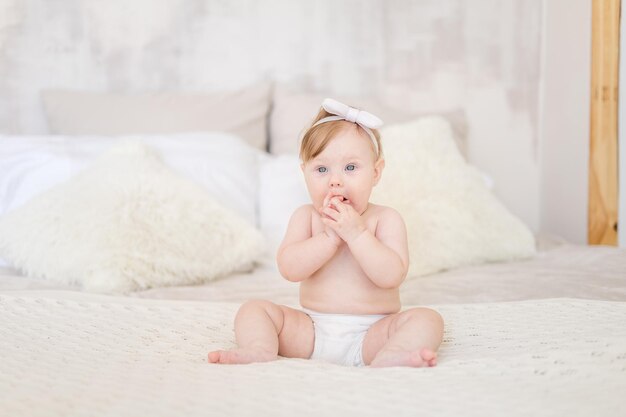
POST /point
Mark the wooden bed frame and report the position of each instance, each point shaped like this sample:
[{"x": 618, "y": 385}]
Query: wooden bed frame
[{"x": 603, "y": 160}]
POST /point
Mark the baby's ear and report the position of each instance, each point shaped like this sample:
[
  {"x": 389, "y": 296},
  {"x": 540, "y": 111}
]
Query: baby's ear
[{"x": 378, "y": 170}]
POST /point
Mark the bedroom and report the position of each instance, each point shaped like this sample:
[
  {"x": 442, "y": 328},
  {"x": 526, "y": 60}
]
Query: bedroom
[{"x": 508, "y": 83}]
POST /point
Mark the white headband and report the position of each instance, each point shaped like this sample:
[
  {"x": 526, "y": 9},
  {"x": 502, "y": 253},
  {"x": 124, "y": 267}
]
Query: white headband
[{"x": 344, "y": 112}]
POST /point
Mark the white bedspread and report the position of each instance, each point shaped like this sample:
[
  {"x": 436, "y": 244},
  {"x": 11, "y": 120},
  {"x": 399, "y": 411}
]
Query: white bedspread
[
  {"x": 72, "y": 354},
  {"x": 560, "y": 351}
]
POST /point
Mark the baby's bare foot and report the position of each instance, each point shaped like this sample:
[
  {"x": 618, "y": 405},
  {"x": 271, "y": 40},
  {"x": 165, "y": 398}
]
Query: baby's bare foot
[
  {"x": 240, "y": 356},
  {"x": 414, "y": 358}
]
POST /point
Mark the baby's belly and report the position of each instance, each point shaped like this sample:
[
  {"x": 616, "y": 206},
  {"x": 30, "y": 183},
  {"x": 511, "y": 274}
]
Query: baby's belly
[{"x": 348, "y": 297}]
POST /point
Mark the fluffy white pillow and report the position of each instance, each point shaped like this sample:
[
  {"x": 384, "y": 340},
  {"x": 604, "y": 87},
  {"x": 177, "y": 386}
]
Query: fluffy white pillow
[
  {"x": 222, "y": 163},
  {"x": 127, "y": 222},
  {"x": 451, "y": 216}
]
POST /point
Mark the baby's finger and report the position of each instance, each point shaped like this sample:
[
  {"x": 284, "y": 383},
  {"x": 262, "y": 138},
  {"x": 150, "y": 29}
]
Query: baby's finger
[
  {"x": 330, "y": 223},
  {"x": 321, "y": 212},
  {"x": 327, "y": 199},
  {"x": 338, "y": 204},
  {"x": 330, "y": 213}
]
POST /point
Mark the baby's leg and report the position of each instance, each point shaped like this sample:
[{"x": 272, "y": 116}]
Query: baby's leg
[
  {"x": 410, "y": 338},
  {"x": 264, "y": 330}
]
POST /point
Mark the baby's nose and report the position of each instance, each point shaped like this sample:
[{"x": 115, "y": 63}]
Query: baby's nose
[{"x": 335, "y": 181}]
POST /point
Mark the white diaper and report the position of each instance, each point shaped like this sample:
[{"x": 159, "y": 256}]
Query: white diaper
[{"x": 339, "y": 337}]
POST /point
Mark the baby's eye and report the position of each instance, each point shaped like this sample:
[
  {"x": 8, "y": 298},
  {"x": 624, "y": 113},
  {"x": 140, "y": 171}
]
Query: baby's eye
[
  {"x": 350, "y": 167},
  {"x": 321, "y": 169}
]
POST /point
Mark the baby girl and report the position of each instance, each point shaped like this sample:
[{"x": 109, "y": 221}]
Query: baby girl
[{"x": 349, "y": 256}]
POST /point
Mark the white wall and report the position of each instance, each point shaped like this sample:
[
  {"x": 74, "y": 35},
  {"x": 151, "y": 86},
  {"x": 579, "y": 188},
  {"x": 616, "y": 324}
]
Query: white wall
[
  {"x": 482, "y": 56},
  {"x": 566, "y": 80}
]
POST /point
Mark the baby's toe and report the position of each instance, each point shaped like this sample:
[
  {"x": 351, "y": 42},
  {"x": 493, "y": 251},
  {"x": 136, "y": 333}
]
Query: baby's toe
[
  {"x": 428, "y": 354},
  {"x": 214, "y": 357}
]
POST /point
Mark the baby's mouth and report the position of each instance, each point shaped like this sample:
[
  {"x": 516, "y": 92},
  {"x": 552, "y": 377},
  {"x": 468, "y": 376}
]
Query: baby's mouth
[{"x": 341, "y": 198}]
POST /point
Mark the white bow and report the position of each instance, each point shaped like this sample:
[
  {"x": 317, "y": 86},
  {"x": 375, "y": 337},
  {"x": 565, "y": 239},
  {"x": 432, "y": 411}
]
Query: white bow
[
  {"x": 351, "y": 114},
  {"x": 344, "y": 112}
]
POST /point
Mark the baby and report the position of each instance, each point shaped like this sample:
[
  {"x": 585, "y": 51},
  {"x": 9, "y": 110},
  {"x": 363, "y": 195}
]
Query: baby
[{"x": 349, "y": 256}]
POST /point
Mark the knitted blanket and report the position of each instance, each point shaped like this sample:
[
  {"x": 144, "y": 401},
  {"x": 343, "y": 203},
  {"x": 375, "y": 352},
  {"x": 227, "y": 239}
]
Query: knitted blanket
[{"x": 73, "y": 354}]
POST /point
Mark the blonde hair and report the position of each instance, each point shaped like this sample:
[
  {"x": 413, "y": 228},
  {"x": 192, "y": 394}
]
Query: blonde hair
[{"x": 316, "y": 138}]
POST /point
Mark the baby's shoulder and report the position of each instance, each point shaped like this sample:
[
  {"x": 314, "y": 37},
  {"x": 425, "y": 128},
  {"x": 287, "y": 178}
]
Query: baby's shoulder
[
  {"x": 305, "y": 209},
  {"x": 303, "y": 213},
  {"x": 384, "y": 211},
  {"x": 385, "y": 215}
]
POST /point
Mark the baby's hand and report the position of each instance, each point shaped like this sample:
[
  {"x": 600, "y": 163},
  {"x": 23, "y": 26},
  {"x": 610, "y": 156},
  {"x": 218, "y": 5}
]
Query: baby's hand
[
  {"x": 327, "y": 203},
  {"x": 342, "y": 218},
  {"x": 327, "y": 229},
  {"x": 332, "y": 235}
]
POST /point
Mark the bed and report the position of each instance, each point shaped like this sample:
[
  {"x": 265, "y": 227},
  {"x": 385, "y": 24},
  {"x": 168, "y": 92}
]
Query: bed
[{"x": 531, "y": 328}]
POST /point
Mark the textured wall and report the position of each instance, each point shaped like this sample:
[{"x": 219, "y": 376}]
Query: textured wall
[
  {"x": 480, "y": 55},
  {"x": 566, "y": 119}
]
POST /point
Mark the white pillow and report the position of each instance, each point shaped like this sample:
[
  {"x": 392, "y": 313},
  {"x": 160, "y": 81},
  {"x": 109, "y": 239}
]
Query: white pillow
[
  {"x": 221, "y": 163},
  {"x": 128, "y": 222},
  {"x": 282, "y": 191},
  {"x": 242, "y": 112},
  {"x": 293, "y": 111},
  {"x": 452, "y": 218}
]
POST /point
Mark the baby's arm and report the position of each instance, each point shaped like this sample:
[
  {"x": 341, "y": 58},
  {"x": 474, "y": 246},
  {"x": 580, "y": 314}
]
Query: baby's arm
[
  {"x": 384, "y": 257},
  {"x": 300, "y": 254}
]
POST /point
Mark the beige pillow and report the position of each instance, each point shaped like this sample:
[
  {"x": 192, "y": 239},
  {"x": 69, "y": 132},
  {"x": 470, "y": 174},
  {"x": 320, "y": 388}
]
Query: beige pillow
[
  {"x": 452, "y": 217},
  {"x": 127, "y": 222},
  {"x": 241, "y": 112},
  {"x": 293, "y": 112}
]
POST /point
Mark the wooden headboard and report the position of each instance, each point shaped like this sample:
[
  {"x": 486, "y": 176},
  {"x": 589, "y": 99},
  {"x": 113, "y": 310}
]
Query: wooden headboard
[{"x": 603, "y": 160}]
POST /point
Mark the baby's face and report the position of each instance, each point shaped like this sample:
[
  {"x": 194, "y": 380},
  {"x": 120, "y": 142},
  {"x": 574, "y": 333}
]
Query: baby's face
[{"x": 346, "y": 168}]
